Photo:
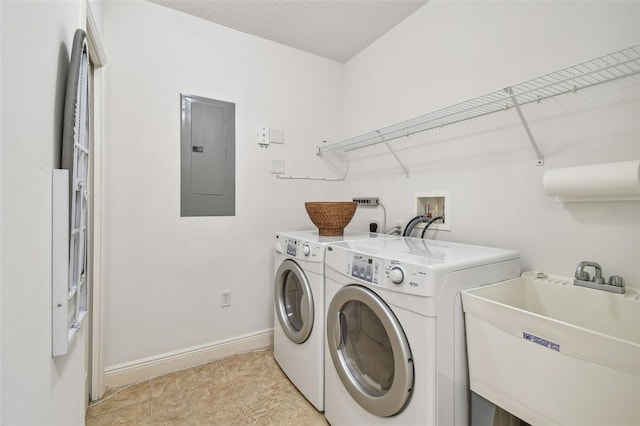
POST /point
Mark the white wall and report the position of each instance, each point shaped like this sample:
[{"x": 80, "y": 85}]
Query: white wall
[
  {"x": 36, "y": 48},
  {"x": 164, "y": 274},
  {"x": 448, "y": 52}
]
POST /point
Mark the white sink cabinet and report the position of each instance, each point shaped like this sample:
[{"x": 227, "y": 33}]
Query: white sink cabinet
[{"x": 550, "y": 352}]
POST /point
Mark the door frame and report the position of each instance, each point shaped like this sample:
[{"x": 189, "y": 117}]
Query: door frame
[{"x": 96, "y": 385}]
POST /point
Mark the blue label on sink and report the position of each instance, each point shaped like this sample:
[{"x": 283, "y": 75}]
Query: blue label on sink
[{"x": 540, "y": 341}]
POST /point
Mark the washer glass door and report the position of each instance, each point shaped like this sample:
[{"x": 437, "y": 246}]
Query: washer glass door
[
  {"x": 293, "y": 301},
  {"x": 369, "y": 351}
]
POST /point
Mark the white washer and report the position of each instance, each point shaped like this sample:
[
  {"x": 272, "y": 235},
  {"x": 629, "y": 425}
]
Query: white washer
[
  {"x": 395, "y": 349},
  {"x": 298, "y": 329}
]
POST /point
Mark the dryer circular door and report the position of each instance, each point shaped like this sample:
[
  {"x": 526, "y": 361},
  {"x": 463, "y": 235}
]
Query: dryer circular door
[
  {"x": 293, "y": 301},
  {"x": 370, "y": 351}
]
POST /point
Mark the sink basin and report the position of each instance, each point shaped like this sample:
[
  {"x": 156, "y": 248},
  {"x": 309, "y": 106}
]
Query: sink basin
[{"x": 550, "y": 352}]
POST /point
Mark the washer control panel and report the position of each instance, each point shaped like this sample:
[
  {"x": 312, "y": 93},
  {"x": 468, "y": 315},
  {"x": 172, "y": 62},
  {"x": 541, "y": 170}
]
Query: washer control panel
[
  {"x": 389, "y": 274},
  {"x": 292, "y": 247},
  {"x": 299, "y": 249}
]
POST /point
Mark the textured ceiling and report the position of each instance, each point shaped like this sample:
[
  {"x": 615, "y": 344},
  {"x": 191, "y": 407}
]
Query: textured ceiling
[{"x": 333, "y": 29}]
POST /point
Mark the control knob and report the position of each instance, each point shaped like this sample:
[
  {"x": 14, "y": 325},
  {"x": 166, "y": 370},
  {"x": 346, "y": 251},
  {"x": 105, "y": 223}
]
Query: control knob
[
  {"x": 306, "y": 250},
  {"x": 396, "y": 275}
]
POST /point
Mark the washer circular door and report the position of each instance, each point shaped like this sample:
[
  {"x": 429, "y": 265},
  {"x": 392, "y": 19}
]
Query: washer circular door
[
  {"x": 369, "y": 351},
  {"x": 293, "y": 301}
]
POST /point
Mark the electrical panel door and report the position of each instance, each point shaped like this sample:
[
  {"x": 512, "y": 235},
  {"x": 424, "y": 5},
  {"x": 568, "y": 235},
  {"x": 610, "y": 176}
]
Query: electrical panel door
[{"x": 207, "y": 157}]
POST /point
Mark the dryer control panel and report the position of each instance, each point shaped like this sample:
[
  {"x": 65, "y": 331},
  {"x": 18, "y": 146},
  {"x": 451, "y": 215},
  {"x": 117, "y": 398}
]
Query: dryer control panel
[
  {"x": 389, "y": 274},
  {"x": 365, "y": 268}
]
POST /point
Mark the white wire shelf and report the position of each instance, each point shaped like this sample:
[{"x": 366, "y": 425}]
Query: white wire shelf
[{"x": 614, "y": 66}]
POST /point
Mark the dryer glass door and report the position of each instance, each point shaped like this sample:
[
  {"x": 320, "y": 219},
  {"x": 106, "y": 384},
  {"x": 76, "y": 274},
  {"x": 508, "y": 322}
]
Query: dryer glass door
[
  {"x": 369, "y": 351},
  {"x": 293, "y": 301}
]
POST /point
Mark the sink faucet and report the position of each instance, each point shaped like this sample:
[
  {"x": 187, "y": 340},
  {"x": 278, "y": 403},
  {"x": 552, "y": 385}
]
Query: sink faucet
[
  {"x": 581, "y": 274},
  {"x": 615, "y": 285}
]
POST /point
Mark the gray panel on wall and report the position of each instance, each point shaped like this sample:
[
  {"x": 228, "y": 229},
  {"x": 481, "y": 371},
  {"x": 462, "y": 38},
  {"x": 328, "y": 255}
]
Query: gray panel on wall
[{"x": 207, "y": 150}]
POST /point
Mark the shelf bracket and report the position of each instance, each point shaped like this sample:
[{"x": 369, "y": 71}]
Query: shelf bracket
[
  {"x": 523, "y": 120},
  {"x": 393, "y": 152}
]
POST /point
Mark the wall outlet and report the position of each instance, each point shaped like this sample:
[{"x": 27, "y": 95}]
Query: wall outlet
[
  {"x": 262, "y": 133},
  {"x": 367, "y": 201},
  {"x": 225, "y": 299}
]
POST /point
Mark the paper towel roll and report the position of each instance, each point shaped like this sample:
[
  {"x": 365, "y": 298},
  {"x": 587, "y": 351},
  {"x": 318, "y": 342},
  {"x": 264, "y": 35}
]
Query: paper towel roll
[{"x": 597, "y": 182}]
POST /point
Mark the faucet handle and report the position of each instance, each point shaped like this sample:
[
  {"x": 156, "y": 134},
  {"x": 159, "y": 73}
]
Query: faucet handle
[{"x": 616, "y": 280}]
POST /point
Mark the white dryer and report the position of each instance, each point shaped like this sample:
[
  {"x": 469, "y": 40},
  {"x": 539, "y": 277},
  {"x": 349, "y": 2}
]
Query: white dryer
[
  {"x": 395, "y": 348},
  {"x": 298, "y": 330}
]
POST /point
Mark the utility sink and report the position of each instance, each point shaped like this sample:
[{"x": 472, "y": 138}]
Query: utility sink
[{"x": 551, "y": 352}]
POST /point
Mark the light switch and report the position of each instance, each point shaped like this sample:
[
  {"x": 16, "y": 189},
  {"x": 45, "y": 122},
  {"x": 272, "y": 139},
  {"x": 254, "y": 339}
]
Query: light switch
[
  {"x": 277, "y": 167},
  {"x": 276, "y": 136}
]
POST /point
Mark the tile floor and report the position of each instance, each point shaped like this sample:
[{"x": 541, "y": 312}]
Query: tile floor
[{"x": 244, "y": 389}]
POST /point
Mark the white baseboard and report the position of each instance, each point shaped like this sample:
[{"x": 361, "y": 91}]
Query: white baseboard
[{"x": 146, "y": 368}]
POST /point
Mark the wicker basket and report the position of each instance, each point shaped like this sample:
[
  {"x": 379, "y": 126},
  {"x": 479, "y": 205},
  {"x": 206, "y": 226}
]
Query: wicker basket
[{"x": 331, "y": 217}]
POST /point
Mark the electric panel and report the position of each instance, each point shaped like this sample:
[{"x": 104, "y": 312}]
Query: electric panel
[{"x": 207, "y": 186}]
